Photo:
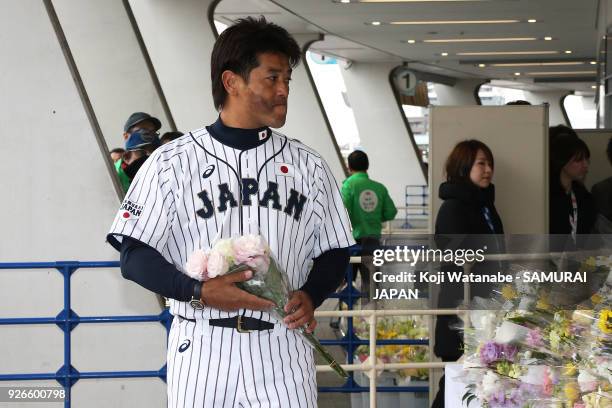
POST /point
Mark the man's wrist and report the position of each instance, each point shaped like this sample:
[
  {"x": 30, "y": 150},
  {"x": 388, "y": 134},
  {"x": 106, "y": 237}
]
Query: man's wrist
[{"x": 197, "y": 302}]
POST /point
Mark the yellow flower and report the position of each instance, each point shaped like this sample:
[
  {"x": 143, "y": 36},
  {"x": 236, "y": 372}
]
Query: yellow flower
[
  {"x": 571, "y": 391},
  {"x": 596, "y": 299},
  {"x": 605, "y": 321},
  {"x": 569, "y": 369},
  {"x": 543, "y": 303},
  {"x": 508, "y": 292}
]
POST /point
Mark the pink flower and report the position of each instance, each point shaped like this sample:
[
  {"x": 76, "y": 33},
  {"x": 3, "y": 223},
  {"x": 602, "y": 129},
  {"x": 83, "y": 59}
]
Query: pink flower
[
  {"x": 253, "y": 251},
  {"x": 579, "y": 405},
  {"x": 217, "y": 264},
  {"x": 196, "y": 266},
  {"x": 534, "y": 338},
  {"x": 547, "y": 385}
]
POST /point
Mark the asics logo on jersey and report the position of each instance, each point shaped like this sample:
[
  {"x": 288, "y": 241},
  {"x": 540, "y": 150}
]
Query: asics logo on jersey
[
  {"x": 209, "y": 170},
  {"x": 184, "y": 346},
  {"x": 250, "y": 187}
]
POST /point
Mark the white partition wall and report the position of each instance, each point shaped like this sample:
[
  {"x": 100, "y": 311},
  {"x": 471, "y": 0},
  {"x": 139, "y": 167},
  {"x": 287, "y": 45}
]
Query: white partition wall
[
  {"x": 58, "y": 204},
  {"x": 110, "y": 62},
  {"x": 517, "y": 135},
  {"x": 600, "y": 167},
  {"x": 553, "y": 99},
  {"x": 384, "y": 137},
  {"x": 179, "y": 40}
]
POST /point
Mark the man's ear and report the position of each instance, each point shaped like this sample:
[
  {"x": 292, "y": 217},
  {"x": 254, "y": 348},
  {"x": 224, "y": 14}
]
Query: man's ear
[
  {"x": 126, "y": 135},
  {"x": 231, "y": 82}
]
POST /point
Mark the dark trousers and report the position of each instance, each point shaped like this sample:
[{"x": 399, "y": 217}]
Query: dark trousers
[{"x": 368, "y": 245}]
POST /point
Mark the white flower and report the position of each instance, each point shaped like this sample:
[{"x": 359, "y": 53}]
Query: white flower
[
  {"x": 490, "y": 383},
  {"x": 224, "y": 247},
  {"x": 510, "y": 332},
  {"x": 196, "y": 266},
  {"x": 587, "y": 381},
  {"x": 217, "y": 264}
]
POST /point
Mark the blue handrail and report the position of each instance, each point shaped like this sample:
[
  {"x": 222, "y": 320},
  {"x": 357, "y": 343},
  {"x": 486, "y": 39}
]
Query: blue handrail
[{"x": 67, "y": 320}]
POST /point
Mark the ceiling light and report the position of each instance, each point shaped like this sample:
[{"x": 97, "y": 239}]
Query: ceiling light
[
  {"x": 508, "y": 53},
  {"x": 568, "y": 51},
  {"x": 375, "y": 23},
  {"x": 532, "y": 20},
  {"x": 562, "y": 73},
  {"x": 444, "y": 54},
  {"x": 593, "y": 86},
  {"x": 547, "y": 38},
  {"x": 345, "y": 1},
  {"x": 411, "y": 41},
  {"x": 459, "y": 40},
  {"x": 411, "y": 1},
  {"x": 593, "y": 62},
  {"x": 517, "y": 73},
  {"x": 535, "y": 64},
  {"x": 454, "y": 22},
  {"x": 481, "y": 65}
]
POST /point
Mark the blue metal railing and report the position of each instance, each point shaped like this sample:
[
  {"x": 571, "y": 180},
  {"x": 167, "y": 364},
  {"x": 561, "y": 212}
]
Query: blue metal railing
[{"x": 67, "y": 320}]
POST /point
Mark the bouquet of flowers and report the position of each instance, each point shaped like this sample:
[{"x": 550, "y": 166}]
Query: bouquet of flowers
[
  {"x": 523, "y": 350},
  {"x": 396, "y": 328},
  {"x": 269, "y": 280}
]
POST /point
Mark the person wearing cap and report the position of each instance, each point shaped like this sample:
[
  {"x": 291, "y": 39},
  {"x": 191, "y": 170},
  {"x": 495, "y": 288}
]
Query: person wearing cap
[{"x": 141, "y": 136}]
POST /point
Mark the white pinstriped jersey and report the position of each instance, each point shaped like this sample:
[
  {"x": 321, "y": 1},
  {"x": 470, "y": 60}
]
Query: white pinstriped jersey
[{"x": 196, "y": 190}]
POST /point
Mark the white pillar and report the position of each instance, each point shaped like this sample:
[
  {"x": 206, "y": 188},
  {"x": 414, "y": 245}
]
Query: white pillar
[
  {"x": 58, "y": 205},
  {"x": 110, "y": 62},
  {"x": 384, "y": 137},
  {"x": 553, "y": 99},
  {"x": 306, "y": 118},
  {"x": 180, "y": 40},
  {"x": 462, "y": 93}
]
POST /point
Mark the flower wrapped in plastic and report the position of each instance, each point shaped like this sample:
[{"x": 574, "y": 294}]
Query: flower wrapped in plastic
[{"x": 269, "y": 280}]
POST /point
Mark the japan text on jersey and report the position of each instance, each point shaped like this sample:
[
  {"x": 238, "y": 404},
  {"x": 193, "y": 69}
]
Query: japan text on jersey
[{"x": 196, "y": 190}]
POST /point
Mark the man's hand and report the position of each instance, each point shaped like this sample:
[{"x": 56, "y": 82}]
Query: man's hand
[
  {"x": 300, "y": 311},
  {"x": 221, "y": 293}
]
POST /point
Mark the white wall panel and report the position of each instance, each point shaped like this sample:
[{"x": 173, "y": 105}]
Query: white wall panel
[
  {"x": 383, "y": 134},
  {"x": 517, "y": 136}
]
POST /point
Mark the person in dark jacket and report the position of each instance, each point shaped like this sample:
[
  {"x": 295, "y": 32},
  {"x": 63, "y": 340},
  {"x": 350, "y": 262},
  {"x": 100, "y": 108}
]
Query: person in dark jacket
[
  {"x": 572, "y": 210},
  {"x": 467, "y": 219}
]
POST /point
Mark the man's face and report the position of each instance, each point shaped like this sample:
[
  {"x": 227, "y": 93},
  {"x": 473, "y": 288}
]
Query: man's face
[
  {"x": 115, "y": 156},
  {"x": 145, "y": 126},
  {"x": 264, "y": 96}
]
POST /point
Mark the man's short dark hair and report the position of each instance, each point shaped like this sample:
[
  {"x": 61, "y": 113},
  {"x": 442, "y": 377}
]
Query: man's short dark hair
[
  {"x": 609, "y": 150},
  {"x": 238, "y": 46},
  {"x": 117, "y": 150},
  {"x": 518, "y": 102},
  {"x": 358, "y": 161},
  {"x": 170, "y": 136}
]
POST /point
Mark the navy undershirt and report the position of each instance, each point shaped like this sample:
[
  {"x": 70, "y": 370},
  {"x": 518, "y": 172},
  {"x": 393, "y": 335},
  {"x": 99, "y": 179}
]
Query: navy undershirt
[{"x": 147, "y": 267}]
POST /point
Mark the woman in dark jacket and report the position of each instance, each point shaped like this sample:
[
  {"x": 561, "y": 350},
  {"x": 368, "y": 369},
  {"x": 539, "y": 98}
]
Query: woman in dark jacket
[
  {"x": 572, "y": 210},
  {"x": 467, "y": 219}
]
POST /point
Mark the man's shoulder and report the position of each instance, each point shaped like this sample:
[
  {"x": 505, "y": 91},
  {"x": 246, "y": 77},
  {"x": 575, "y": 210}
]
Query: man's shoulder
[{"x": 296, "y": 144}]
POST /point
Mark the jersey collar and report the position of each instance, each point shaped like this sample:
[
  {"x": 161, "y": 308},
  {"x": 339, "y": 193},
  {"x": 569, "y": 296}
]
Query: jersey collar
[{"x": 236, "y": 138}]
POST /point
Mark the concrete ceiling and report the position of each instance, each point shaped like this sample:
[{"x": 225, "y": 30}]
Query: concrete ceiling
[{"x": 350, "y": 35}]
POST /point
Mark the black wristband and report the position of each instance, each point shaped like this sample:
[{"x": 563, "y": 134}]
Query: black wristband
[{"x": 197, "y": 291}]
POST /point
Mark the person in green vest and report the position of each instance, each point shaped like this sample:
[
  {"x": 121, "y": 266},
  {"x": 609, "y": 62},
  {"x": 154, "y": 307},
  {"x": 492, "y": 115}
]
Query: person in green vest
[{"x": 369, "y": 205}]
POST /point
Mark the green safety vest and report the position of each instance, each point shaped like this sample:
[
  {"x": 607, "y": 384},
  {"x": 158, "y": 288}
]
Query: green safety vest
[{"x": 368, "y": 204}]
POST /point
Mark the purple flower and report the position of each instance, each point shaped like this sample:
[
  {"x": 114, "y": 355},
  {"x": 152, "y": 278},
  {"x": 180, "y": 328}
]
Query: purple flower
[
  {"x": 510, "y": 352},
  {"x": 491, "y": 352},
  {"x": 534, "y": 338}
]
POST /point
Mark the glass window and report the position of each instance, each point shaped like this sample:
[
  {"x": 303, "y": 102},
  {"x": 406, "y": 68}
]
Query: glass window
[
  {"x": 332, "y": 90},
  {"x": 581, "y": 111},
  {"x": 496, "y": 95},
  {"x": 418, "y": 118}
]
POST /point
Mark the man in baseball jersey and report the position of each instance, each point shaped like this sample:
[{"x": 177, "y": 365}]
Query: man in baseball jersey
[{"x": 235, "y": 177}]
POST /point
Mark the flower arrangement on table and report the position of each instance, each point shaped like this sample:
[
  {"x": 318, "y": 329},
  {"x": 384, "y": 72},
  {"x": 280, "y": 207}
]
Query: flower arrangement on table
[
  {"x": 396, "y": 328},
  {"x": 523, "y": 351},
  {"x": 269, "y": 280}
]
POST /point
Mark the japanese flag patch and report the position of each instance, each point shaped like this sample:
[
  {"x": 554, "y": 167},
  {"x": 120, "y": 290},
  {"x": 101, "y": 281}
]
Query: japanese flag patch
[
  {"x": 130, "y": 210},
  {"x": 284, "y": 169}
]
